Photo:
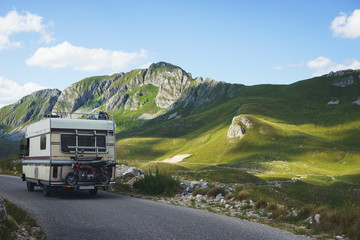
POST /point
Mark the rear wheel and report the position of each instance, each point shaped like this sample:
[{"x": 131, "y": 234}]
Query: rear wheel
[
  {"x": 93, "y": 192},
  {"x": 30, "y": 186},
  {"x": 46, "y": 191}
]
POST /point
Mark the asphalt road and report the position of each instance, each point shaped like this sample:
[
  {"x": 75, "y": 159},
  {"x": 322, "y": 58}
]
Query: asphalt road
[{"x": 77, "y": 215}]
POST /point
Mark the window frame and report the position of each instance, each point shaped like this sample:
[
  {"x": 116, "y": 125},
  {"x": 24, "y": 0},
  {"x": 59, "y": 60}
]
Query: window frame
[{"x": 63, "y": 148}]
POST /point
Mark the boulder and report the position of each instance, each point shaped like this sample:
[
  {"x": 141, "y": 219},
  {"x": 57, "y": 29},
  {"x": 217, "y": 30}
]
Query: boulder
[
  {"x": 238, "y": 126},
  {"x": 125, "y": 171}
]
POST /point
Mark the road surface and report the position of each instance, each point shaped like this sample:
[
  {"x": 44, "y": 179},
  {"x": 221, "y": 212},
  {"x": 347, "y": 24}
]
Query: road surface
[{"x": 77, "y": 215}]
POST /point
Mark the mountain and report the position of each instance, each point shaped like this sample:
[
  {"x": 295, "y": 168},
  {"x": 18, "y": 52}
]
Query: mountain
[
  {"x": 311, "y": 126},
  {"x": 29, "y": 108}
]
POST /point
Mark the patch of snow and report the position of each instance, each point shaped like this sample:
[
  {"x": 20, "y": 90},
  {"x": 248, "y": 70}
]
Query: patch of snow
[
  {"x": 146, "y": 116},
  {"x": 333, "y": 102},
  {"x": 357, "y": 102},
  {"x": 176, "y": 158},
  {"x": 172, "y": 116}
]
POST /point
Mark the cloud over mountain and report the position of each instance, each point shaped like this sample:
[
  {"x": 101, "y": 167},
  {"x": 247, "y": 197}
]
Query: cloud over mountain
[
  {"x": 324, "y": 65},
  {"x": 83, "y": 59}
]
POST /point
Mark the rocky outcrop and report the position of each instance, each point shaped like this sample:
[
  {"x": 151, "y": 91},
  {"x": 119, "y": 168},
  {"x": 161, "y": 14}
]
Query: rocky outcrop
[
  {"x": 343, "y": 78},
  {"x": 238, "y": 126},
  {"x": 80, "y": 93},
  {"x": 204, "y": 92}
]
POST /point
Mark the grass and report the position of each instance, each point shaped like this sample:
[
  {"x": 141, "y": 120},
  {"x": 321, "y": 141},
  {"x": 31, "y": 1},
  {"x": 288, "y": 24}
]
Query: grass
[
  {"x": 10, "y": 166},
  {"x": 18, "y": 218},
  {"x": 158, "y": 184}
]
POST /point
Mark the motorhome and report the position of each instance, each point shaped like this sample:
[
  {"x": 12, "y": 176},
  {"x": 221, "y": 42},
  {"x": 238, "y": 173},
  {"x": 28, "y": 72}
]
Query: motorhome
[{"x": 67, "y": 151}]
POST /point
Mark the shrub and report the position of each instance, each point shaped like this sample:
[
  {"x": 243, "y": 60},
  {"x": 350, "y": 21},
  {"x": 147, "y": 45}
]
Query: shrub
[
  {"x": 230, "y": 195},
  {"x": 201, "y": 191},
  {"x": 306, "y": 212},
  {"x": 279, "y": 214},
  {"x": 261, "y": 204},
  {"x": 243, "y": 195},
  {"x": 158, "y": 184},
  {"x": 272, "y": 207},
  {"x": 214, "y": 191}
]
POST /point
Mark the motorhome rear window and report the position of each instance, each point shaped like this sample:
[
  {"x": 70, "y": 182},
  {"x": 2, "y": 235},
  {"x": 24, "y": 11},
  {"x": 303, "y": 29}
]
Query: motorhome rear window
[
  {"x": 43, "y": 142},
  {"x": 85, "y": 143}
]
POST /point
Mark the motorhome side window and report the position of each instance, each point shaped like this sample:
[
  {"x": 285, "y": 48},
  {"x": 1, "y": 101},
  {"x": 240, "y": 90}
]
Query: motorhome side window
[
  {"x": 68, "y": 143},
  {"x": 27, "y": 146},
  {"x": 43, "y": 142}
]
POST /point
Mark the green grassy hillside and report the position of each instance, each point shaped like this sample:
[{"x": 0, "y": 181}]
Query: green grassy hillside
[{"x": 310, "y": 147}]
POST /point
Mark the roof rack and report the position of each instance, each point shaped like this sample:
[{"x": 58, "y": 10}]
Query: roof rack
[{"x": 93, "y": 116}]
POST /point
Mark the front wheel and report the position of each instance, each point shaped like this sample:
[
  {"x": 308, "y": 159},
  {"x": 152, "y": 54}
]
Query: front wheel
[
  {"x": 71, "y": 179},
  {"x": 30, "y": 186}
]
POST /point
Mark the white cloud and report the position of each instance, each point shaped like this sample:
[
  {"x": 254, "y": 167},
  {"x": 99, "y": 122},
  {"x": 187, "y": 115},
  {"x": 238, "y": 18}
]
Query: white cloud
[
  {"x": 11, "y": 91},
  {"x": 347, "y": 27},
  {"x": 83, "y": 59},
  {"x": 279, "y": 67},
  {"x": 14, "y": 23},
  {"x": 324, "y": 65}
]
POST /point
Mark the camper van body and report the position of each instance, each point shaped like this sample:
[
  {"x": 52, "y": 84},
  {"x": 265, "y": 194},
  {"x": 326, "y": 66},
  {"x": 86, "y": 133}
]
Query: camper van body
[{"x": 53, "y": 145}]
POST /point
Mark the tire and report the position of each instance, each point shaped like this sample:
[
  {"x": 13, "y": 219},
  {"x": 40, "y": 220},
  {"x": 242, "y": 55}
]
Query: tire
[
  {"x": 93, "y": 192},
  {"x": 46, "y": 191},
  {"x": 71, "y": 179},
  {"x": 30, "y": 186},
  {"x": 104, "y": 178}
]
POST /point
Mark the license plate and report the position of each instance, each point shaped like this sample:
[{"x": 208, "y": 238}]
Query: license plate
[{"x": 86, "y": 187}]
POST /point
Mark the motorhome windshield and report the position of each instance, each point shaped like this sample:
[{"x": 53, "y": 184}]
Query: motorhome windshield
[{"x": 85, "y": 143}]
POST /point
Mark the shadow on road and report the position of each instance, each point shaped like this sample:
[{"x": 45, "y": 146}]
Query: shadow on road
[{"x": 66, "y": 194}]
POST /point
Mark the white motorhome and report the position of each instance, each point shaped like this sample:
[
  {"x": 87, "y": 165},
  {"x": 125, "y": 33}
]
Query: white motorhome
[{"x": 73, "y": 153}]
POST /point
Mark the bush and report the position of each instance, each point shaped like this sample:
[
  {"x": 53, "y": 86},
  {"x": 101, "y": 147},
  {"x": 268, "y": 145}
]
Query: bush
[
  {"x": 201, "y": 191},
  {"x": 306, "y": 212},
  {"x": 261, "y": 204},
  {"x": 158, "y": 184},
  {"x": 214, "y": 191},
  {"x": 230, "y": 196},
  {"x": 243, "y": 195},
  {"x": 272, "y": 207}
]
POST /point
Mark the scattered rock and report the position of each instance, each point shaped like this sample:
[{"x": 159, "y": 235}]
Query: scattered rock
[
  {"x": 333, "y": 102},
  {"x": 357, "y": 102},
  {"x": 125, "y": 171},
  {"x": 309, "y": 220},
  {"x": 189, "y": 186}
]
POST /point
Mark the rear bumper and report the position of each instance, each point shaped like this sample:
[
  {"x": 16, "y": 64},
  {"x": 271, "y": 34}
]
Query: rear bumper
[{"x": 81, "y": 185}]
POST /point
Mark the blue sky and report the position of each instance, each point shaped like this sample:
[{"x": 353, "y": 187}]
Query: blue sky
[{"x": 53, "y": 44}]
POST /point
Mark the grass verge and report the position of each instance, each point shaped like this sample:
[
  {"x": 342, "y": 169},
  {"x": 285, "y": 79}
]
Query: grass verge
[{"x": 19, "y": 222}]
